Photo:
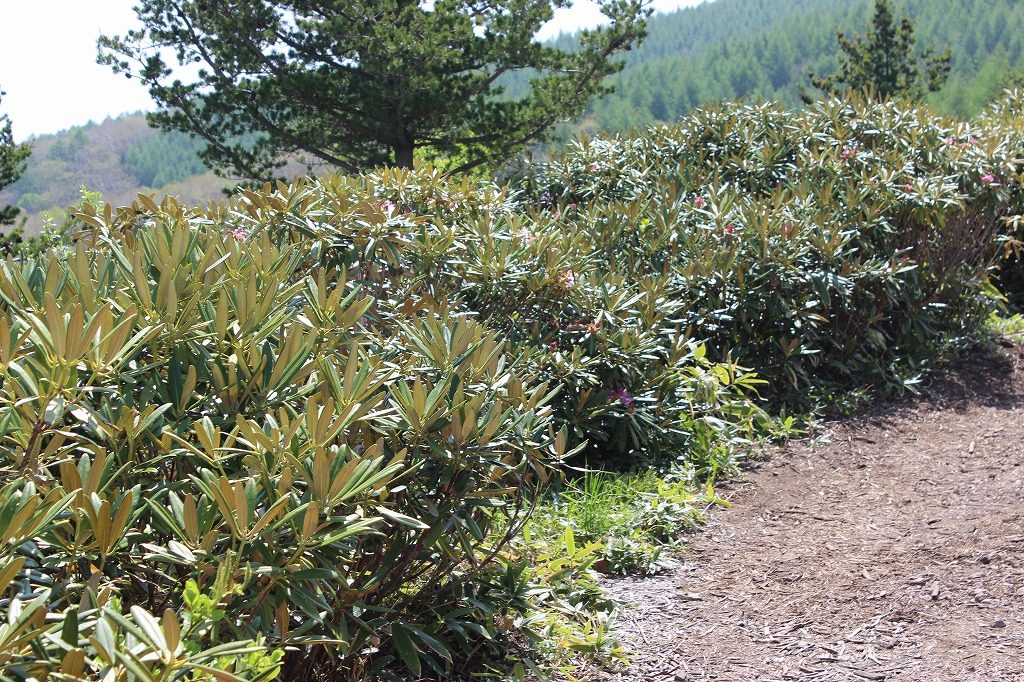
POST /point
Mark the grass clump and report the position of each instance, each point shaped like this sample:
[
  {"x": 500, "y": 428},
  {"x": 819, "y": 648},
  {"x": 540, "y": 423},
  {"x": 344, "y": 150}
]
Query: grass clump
[
  {"x": 1010, "y": 326},
  {"x": 632, "y": 517}
]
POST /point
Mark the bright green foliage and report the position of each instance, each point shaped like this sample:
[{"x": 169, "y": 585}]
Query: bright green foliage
[
  {"x": 826, "y": 249},
  {"x": 883, "y": 62},
  {"x": 354, "y": 85},
  {"x": 632, "y": 518},
  {"x": 1011, "y": 327},
  {"x": 12, "y": 165},
  {"x": 552, "y": 581}
]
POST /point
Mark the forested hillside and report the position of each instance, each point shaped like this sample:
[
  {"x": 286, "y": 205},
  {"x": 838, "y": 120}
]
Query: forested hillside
[
  {"x": 118, "y": 158},
  {"x": 721, "y": 50},
  {"x": 736, "y": 48}
]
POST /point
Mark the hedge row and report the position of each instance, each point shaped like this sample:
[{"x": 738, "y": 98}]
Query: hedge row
[{"x": 294, "y": 434}]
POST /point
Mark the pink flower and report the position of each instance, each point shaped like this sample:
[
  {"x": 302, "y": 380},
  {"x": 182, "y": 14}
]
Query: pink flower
[
  {"x": 239, "y": 234},
  {"x": 622, "y": 395},
  {"x": 786, "y": 228},
  {"x": 988, "y": 178},
  {"x": 729, "y": 229},
  {"x": 567, "y": 279},
  {"x": 699, "y": 202},
  {"x": 525, "y": 235},
  {"x": 849, "y": 152},
  {"x": 950, "y": 140},
  {"x": 388, "y": 207},
  {"x": 908, "y": 188},
  {"x": 595, "y": 166}
]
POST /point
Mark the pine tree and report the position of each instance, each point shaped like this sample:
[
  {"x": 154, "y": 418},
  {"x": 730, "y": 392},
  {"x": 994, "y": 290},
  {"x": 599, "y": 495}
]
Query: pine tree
[
  {"x": 883, "y": 61},
  {"x": 358, "y": 83}
]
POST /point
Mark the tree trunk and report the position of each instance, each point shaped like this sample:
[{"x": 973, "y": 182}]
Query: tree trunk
[{"x": 403, "y": 156}]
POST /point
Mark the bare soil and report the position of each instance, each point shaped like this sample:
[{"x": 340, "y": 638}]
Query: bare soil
[{"x": 894, "y": 552}]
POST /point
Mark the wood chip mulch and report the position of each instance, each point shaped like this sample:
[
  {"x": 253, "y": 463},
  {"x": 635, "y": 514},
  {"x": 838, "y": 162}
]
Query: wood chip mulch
[{"x": 893, "y": 552}]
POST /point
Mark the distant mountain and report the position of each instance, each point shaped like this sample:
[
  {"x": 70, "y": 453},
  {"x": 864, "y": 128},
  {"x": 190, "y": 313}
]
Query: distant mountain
[
  {"x": 118, "y": 158},
  {"x": 721, "y": 50}
]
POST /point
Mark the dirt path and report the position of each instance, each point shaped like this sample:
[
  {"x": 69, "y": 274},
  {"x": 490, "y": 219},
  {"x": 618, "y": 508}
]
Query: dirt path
[{"x": 896, "y": 552}]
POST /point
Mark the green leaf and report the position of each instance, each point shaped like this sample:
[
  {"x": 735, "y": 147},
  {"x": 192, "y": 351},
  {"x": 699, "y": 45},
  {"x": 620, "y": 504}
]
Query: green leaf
[
  {"x": 406, "y": 649},
  {"x": 402, "y": 519}
]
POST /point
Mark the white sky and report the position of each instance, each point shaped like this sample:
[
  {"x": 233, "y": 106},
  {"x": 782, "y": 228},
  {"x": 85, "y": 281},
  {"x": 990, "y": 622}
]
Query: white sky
[{"x": 48, "y": 59}]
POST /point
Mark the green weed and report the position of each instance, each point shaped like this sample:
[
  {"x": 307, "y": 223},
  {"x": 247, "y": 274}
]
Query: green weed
[{"x": 1011, "y": 327}]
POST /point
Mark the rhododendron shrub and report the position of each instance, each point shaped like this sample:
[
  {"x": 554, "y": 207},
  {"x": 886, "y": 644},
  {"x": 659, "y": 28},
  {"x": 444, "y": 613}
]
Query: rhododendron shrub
[
  {"x": 827, "y": 249},
  {"x": 218, "y": 463}
]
